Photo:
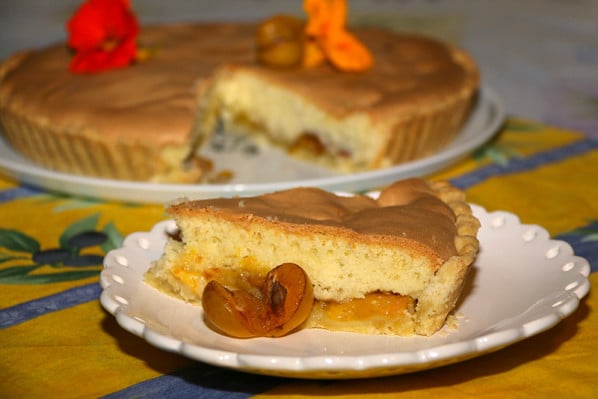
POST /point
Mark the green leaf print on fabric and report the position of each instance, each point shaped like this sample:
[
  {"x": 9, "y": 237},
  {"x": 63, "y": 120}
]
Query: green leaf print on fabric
[
  {"x": 79, "y": 255},
  {"x": 496, "y": 153},
  {"x": 114, "y": 237},
  {"x": 588, "y": 233},
  {"x": 80, "y": 226},
  {"x": 500, "y": 152},
  {"x": 17, "y": 241}
]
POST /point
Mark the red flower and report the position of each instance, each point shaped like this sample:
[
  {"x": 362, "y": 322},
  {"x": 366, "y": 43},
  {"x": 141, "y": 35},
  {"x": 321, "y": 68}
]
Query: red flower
[{"x": 103, "y": 34}]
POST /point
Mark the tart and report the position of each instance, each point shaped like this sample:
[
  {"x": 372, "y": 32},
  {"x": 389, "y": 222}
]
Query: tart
[
  {"x": 393, "y": 265},
  {"x": 147, "y": 121}
]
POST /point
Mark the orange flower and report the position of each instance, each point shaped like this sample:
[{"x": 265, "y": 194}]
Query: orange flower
[
  {"x": 327, "y": 37},
  {"x": 103, "y": 34}
]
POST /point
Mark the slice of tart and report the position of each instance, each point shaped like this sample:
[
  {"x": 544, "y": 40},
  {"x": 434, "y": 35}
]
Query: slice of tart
[{"x": 392, "y": 265}]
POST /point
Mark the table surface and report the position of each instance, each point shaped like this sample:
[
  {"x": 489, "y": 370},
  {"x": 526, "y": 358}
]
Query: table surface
[{"x": 540, "y": 56}]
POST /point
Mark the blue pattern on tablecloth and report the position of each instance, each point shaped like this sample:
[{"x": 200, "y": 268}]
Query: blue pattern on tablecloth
[
  {"x": 28, "y": 310},
  {"x": 200, "y": 382},
  {"x": 18, "y": 192},
  {"x": 516, "y": 165}
]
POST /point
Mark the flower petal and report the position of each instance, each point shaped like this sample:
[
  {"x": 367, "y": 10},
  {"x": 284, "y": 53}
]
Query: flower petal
[
  {"x": 326, "y": 28},
  {"x": 348, "y": 53},
  {"x": 100, "y": 60},
  {"x": 103, "y": 33}
]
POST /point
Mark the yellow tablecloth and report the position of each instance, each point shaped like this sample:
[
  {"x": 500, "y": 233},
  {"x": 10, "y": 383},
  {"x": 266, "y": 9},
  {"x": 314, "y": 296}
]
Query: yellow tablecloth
[{"x": 57, "y": 341}]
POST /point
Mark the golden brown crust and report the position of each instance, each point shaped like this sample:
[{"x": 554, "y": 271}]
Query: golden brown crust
[{"x": 443, "y": 292}]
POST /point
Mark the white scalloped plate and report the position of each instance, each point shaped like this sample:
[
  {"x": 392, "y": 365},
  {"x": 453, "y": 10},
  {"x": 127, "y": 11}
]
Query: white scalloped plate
[
  {"x": 543, "y": 277},
  {"x": 269, "y": 170}
]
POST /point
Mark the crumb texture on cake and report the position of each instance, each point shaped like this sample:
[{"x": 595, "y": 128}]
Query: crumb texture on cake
[{"x": 406, "y": 253}]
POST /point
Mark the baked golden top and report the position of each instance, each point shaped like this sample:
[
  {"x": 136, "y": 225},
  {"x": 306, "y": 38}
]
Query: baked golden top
[
  {"x": 407, "y": 213},
  {"x": 409, "y": 72},
  {"x": 156, "y": 99}
]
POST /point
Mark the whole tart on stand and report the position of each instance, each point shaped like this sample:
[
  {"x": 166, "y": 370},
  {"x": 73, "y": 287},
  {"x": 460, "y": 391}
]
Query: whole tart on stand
[{"x": 146, "y": 121}]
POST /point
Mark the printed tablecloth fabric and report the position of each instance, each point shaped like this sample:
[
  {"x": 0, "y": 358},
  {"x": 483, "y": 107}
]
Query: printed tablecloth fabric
[
  {"x": 57, "y": 341},
  {"x": 540, "y": 56}
]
